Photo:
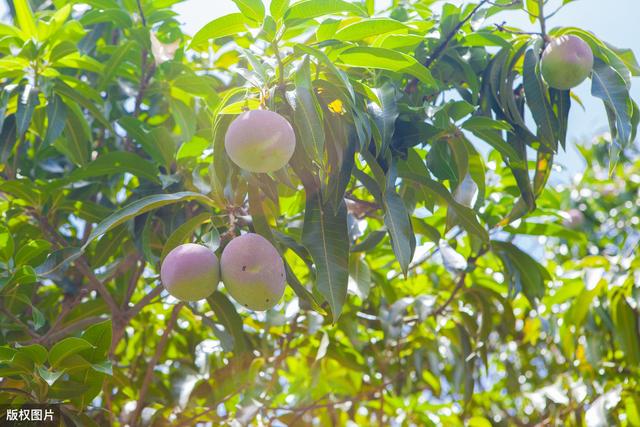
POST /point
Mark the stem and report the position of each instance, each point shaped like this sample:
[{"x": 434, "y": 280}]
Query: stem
[
  {"x": 142, "y": 17},
  {"x": 145, "y": 301},
  {"x": 154, "y": 361},
  {"x": 11, "y": 316},
  {"x": 80, "y": 324},
  {"x": 439, "y": 50},
  {"x": 542, "y": 19},
  {"x": 281, "y": 83},
  {"x": 81, "y": 264}
]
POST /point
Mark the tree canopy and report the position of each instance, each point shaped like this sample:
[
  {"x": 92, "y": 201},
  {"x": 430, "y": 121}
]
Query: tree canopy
[{"x": 434, "y": 277}]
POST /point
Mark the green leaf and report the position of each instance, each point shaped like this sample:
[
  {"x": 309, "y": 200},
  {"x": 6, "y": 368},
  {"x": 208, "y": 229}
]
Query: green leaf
[
  {"x": 57, "y": 260},
  {"x": 6, "y": 244},
  {"x": 533, "y": 8},
  {"x": 385, "y": 114},
  {"x": 183, "y": 233},
  {"x": 523, "y": 273},
  {"x": 398, "y": 222},
  {"x": 113, "y": 64},
  {"x": 360, "y": 275},
  {"x": 227, "y": 25},
  {"x": 34, "y": 352},
  {"x": 26, "y": 104},
  {"x": 252, "y": 9},
  {"x": 50, "y": 377},
  {"x": 307, "y": 113},
  {"x": 370, "y": 27},
  {"x": 278, "y": 8},
  {"x": 56, "y": 119},
  {"x": 99, "y": 336},
  {"x": 327, "y": 62},
  {"x": 386, "y": 59},
  {"x": 325, "y": 236},
  {"x": 625, "y": 320},
  {"x": 609, "y": 86},
  {"x": 229, "y": 317},
  {"x": 76, "y": 143},
  {"x": 65, "y": 348},
  {"x": 465, "y": 216},
  {"x": 5, "y": 94},
  {"x": 141, "y": 206},
  {"x": 78, "y": 97},
  {"x": 538, "y": 101},
  {"x": 309, "y": 9},
  {"x": 115, "y": 16},
  {"x": 117, "y": 162},
  {"x": 33, "y": 250},
  {"x": 184, "y": 117},
  {"x": 561, "y": 103},
  {"x": 24, "y": 17},
  {"x": 156, "y": 143}
]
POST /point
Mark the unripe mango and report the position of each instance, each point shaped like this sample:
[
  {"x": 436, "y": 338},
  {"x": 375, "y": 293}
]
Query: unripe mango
[
  {"x": 566, "y": 62},
  {"x": 190, "y": 272},
  {"x": 574, "y": 219},
  {"x": 253, "y": 272},
  {"x": 260, "y": 141}
]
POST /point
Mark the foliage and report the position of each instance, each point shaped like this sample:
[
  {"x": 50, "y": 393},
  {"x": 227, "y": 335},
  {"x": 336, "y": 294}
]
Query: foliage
[{"x": 416, "y": 295}]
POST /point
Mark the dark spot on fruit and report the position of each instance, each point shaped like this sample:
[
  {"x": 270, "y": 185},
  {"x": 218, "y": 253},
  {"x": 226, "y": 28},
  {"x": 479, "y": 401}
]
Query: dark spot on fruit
[
  {"x": 244, "y": 267},
  {"x": 267, "y": 299},
  {"x": 246, "y": 305}
]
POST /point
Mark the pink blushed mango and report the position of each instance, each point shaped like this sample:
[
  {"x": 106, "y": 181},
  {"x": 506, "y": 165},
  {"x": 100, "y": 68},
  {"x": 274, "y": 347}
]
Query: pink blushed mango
[
  {"x": 260, "y": 141},
  {"x": 253, "y": 272},
  {"x": 190, "y": 272},
  {"x": 566, "y": 62}
]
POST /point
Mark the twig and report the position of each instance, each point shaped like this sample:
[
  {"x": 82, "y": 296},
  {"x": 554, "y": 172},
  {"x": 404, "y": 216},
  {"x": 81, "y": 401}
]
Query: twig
[
  {"x": 501, "y": 27},
  {"x": 439, "y": 50},
  {"x": 449, "y": 300},
  {"x": 281, "y": 82},
  {"x": 26, "y": 327},
  {"x": 81, "y": 263},
  {"x": 133, "y": 281},
  {"x": 133, "y": 311},
  {"x": 142, "y": 17},
  {"x": 80, "y": 324},
  {"x": 542, "y": 19},
  {"x": 68, "y": 303},
  {"x": 154, "y": 361}
]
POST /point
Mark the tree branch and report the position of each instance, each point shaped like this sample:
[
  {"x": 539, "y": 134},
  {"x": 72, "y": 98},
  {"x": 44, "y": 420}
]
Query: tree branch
[
  {"x": 80, "y": 324},
  {"x": 439, "y": 49},
  {"x": 81, "y": 263},
  {"x": 133, "y": 311},
  {"x": 154, "y": 361},
  {"x": 14, "y": 318}
]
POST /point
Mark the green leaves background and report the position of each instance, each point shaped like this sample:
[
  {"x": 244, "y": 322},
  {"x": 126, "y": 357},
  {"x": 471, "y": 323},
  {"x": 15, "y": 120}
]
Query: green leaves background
[{"x": 111, "y": 149}]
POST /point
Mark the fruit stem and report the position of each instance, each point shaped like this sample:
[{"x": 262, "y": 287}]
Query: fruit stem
[{"x": 542, "y": 19}]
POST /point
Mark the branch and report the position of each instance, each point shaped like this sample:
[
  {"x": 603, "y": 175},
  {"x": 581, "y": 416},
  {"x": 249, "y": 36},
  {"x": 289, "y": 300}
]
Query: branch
[
  {"x": 443, "y": 45},
  {"x": 154, "y": 361},
  {"x": 26, "y": 327},
  {"x": 133, "y": 281},
  {"x": 144, "y": 301},
  {"x": 542, "y": 19},
  {"x": 449, "y": 300},
  {"x": 501, "y": 27},
  {"x": 81, "y": 263},
  {"x": 80, "y": 324},
  {"x": 439, "y": 50}
]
